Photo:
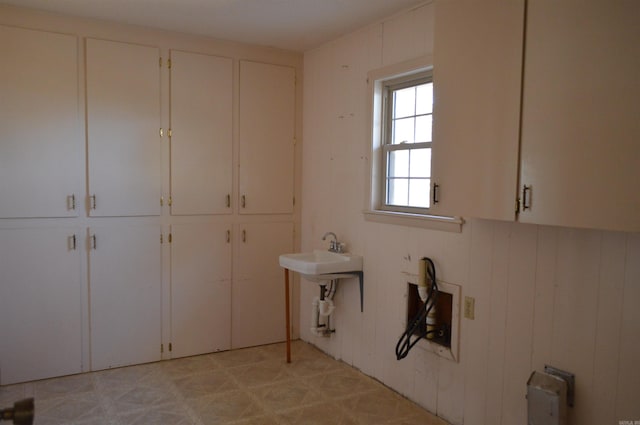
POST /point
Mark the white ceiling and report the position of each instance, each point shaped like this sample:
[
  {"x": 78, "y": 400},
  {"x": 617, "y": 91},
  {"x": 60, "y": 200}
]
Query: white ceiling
[{"x": 287, "y": 24}]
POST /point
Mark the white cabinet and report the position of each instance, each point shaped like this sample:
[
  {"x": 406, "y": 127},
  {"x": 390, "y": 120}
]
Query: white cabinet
[
  {"x": 267, "y": 129},
  {"x": 41, "y": 153},
  {"x": 90, "y": 288},
  {"x": 123, "y": 128},
  {"x": 570, "y": 101},
  {"x": 201, "y": 133},
  {"x": 258, "y": 308},
  {"x": 581, "y": 116},
  {"x": 477, "y": 82},
  {"x": 125, "y": 294},
  {"x": 200, "y": 288},
  {"x": 40, "y": 303}
]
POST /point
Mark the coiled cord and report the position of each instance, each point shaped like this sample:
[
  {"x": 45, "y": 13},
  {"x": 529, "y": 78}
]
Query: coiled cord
[{"x": 405, "y": 344}]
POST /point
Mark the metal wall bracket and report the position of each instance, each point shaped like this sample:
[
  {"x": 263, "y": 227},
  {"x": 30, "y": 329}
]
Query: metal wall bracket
[{"x": 361, "y": 281}]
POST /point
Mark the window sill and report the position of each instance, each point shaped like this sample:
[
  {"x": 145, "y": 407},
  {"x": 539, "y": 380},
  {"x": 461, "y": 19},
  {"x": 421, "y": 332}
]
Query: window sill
[{"x": 433, "y": 222}]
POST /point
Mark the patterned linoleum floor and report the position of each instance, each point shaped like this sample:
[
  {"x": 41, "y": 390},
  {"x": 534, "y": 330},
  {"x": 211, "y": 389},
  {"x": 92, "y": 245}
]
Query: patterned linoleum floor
[{"x": 253, "y": 386}]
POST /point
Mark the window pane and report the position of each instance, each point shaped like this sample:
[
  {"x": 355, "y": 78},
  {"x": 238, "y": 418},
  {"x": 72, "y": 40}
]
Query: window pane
[
  {"x": 423, "y": 128},
  {"x": 419, "y": 193},
  {"x": 424, "y": 99},
  {"x": 398, "y": 164},
  {"x": 398, "y": 191},
  {"x": 403, "y": 130},
  {"x": 404, "y": 101},
  {"x": 420, "y": 162}
]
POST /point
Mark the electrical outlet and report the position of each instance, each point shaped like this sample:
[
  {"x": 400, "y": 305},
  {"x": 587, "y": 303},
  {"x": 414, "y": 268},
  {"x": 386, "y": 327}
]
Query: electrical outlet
[{"x": 469, "y": 308}]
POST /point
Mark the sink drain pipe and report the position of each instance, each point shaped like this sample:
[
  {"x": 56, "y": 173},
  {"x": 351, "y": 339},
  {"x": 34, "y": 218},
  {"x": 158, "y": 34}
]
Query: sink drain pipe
[{"x": 321, "y": 309}]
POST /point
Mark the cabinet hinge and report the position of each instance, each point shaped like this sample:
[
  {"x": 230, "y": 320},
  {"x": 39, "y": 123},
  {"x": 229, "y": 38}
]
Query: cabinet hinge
[
  {"x": 170, "y": 347},
  {"x": 71, "y": 202},
  {"x": 170, "y": 202},
  {"x": 169, "y": 133},
  {"x": 161, "y": 348},
  {"x": 169, "y": 63},
  {"x": 162, "y": 201},
  {"x": 517, "y": 205},
  {"x": 170, "y": 238},
  {"x": 161, "y": 132},
  {"x": 160, "y": 61}
]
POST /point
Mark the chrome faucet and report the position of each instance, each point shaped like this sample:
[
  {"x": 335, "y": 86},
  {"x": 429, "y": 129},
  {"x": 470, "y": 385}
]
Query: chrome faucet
[{"x": 334, "y": 245}]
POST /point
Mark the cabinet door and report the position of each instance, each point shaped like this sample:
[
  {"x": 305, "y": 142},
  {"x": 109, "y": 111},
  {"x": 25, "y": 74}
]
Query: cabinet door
[
  {"x": 123, "y": 127},
  {"x": 477, "y": 82},
  {"x": 200, "y": 288},
  {"x": 267, "y": 125},
  {"x": 201, "y": 133},
  {"x": 40, "y": 303},
  {"x": 41, "y": 153},
  {"x": 125, "y": 287},
  {"x": 580, "y": 120},
  {"x": 258, "y": 308}
]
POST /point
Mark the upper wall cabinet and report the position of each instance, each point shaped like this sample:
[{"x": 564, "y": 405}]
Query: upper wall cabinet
[
  {"x": 123, "y": 128},
  {"x": 581, "y": 115},
  {"x": 477, "y": 81},
  {"x": 41, "y": 152},
  {"x": 570, "y": 101},
  {"x": 201, "y": 133},
  {"x": 267, "y": 129}
]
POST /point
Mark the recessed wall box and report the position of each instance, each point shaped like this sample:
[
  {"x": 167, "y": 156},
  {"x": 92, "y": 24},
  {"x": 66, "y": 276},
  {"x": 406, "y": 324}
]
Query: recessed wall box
[{"x": 447, "y": 314}]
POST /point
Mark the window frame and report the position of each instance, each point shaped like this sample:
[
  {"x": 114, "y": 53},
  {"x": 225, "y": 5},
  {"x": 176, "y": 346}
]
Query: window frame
[
  {"x": 388, "y": 87},
  {"x": 375, "y": 179}
]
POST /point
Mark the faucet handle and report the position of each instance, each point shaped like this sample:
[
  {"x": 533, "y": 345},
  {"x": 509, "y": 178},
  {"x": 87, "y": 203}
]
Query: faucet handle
[{"x": 339, "y": 247}]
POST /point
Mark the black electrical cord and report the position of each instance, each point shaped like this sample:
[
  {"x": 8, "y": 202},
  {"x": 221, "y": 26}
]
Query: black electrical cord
[{"x": 405, "y": 344}]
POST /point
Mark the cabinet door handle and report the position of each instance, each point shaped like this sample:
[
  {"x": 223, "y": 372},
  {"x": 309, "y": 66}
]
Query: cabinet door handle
[
  {"x": 228, "y": 236},
  {"x": 71, "y": 202},
  {"x": 244, "y": 235},
  {"x": 243, "y": 201},
  {"x": 228, "y": 200},
  {"x": 526, "y": 197},
  {"x": 72, "y": 242},
  {"x": 93, "y": 242},
  {"x": 436, "y": 193},
  {"x": 92, "y": 202}
]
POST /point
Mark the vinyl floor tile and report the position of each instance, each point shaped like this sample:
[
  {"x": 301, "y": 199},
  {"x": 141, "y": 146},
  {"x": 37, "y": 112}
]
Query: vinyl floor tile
[{"x": 252, "y": 386}]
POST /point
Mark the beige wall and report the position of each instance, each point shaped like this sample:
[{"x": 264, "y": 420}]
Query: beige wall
[{"x": 543, "y": 295}]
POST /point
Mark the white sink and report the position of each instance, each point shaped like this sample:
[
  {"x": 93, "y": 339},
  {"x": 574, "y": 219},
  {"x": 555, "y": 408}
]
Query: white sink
[{"x": 321, "y": 262}]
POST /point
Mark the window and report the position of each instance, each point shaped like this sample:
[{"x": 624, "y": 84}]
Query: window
[
  {"x": 400, "y": 143},
  {"x": 406, "y": 142}
]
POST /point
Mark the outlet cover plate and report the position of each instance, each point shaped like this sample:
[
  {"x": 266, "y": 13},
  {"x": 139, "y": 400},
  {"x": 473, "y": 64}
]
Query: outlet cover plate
[{"x": 469, "y": 308}]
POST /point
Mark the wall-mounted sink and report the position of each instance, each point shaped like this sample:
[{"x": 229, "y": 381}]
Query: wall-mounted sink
[
  {"x": 320, "y": 266},
  {"x": 321, "y": 262}
]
